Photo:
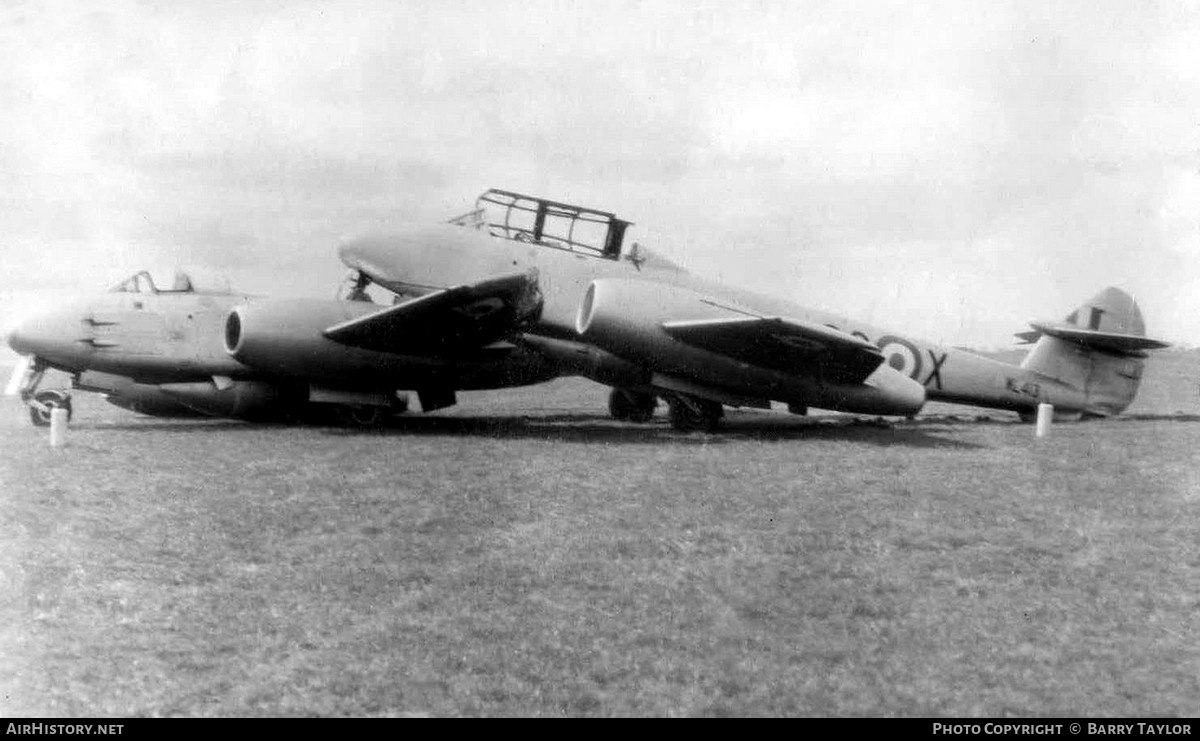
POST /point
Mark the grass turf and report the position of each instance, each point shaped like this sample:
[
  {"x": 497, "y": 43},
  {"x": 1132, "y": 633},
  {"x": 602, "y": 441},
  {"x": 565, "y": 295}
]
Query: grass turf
[{"x": 523, "y": 555}]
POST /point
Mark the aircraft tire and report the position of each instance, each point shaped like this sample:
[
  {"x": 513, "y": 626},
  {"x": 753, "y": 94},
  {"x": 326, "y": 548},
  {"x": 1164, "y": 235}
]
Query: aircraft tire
[
  {"x": 691, "y": 414},
  {"x": 370, "y": 416},
  {"x": 51, "y": 400},
  {"x": 631, "y": 406}
]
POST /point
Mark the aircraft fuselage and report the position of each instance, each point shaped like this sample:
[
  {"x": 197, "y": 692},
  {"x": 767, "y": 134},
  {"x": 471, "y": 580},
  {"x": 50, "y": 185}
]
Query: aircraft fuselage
[
  {"x": 162, "y": 352},
  {"x": 446, "y": 255}
]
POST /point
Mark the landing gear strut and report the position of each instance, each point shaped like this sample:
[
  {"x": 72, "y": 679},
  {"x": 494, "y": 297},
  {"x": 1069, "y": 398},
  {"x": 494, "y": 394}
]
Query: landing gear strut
[
  {"x": 631, "y": 406},
  {"x": 41, "y": 403},
  {"x": 689, "y": 413}
]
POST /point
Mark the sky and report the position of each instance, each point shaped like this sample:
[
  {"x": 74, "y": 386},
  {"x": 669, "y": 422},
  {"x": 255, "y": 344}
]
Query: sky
[{"x": 947, "y": 169}]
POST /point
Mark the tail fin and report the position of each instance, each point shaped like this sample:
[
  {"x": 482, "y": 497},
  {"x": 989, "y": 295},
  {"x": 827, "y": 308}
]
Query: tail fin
[{"x": 1099, "y": 349}]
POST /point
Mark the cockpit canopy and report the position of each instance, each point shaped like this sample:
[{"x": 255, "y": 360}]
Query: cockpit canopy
[
  {"x": 181, "y": 282},
  {"x": 563, "y": 226}
]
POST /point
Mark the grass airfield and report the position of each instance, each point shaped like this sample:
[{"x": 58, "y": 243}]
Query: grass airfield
[{"x": 522, "y": 554}]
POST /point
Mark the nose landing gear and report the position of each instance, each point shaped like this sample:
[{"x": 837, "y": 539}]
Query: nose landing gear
[{"x": 42, "y": 404}]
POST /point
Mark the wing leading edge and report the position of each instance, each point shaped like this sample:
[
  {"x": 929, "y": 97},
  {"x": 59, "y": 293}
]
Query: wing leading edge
[
  {"x": 449, "y": 321},
  {"x": 785, "y": 345}
]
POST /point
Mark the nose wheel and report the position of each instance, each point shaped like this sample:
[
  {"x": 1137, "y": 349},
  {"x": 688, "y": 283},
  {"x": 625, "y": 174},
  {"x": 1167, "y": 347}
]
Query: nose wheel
[
  {"x": 26, "y": 378},
  {"x": 44, "y": 403}
]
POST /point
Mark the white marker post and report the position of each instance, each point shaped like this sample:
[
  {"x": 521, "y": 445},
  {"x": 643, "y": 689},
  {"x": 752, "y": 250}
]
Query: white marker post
[
  {"x": 1045, "y": 416},
  {"x": 58, "y": 427}
]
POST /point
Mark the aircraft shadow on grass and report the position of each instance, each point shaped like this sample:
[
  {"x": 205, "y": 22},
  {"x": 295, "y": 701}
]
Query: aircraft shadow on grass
[
  {"x": 923, "y": 432},
  {"x": 592, "y": 429},
  {"x": 579, "y": 428},
  {"x": 1177, "y": 417}
]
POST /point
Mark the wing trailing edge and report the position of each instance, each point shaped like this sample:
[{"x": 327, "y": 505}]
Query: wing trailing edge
[
  {"x": 449, "y": 321},
  {"x": 782, "y": 344}
]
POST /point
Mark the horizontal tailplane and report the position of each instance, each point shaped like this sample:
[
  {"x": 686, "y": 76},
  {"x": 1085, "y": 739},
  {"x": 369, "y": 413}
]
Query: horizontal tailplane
[{"x": 1114, "y": 342}]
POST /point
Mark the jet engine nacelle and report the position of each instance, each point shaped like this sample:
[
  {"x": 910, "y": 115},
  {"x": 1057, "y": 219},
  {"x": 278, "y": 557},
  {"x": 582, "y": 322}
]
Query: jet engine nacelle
[
  {"x": 590, "y": 362},
  {"x": 124, "y": 392},
  {"x": 625, "y": 317},
  {"x": 284, "y": 336},
  {"x": 253, "y": 400}
]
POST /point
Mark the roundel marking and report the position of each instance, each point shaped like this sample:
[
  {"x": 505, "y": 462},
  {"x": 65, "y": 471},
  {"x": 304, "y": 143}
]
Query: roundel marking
[{"x": 901, "y": 355}]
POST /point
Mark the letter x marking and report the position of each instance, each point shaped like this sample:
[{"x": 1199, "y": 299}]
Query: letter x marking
[{"x": 936, "y": 373}]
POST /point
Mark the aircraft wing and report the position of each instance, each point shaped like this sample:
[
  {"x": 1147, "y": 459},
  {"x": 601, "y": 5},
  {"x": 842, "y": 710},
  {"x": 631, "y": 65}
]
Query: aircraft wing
[
  {"x": 448, "y": 321},
  {"x": 786, "y": 345}
]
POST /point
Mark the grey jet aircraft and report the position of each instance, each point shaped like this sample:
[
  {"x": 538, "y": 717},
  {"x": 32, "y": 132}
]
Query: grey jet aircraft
[
  {"x": 192, "y": 351},
  {"x": 636, "y": 322}
]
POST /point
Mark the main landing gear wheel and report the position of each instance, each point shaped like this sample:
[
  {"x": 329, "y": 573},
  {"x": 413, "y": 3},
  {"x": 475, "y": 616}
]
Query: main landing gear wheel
[
  {"x": 369, "y": 416},
  {"x": 44, "y": 402},
  {"x": 689, "y": 413},
  {"x": 631, "y": 406}
]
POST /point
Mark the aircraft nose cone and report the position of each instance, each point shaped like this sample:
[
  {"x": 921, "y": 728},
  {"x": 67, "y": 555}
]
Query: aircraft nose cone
[
  {"x": 436, "y": 256},
  {"x": 19, "y": 340},
  {"x": 398, "y": 253},
  {"x": 52, "y": 335},
  {"x": 380, "y": 256}
]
